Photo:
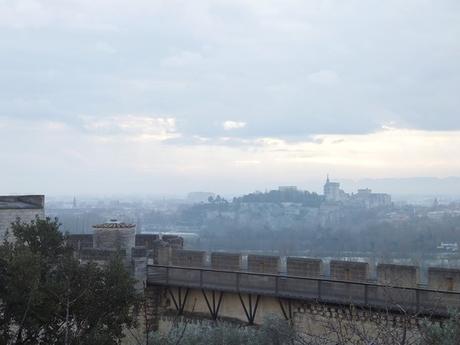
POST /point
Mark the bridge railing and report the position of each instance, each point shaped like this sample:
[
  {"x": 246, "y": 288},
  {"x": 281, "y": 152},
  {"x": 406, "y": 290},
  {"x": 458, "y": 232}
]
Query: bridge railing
[{"x": 321, "y": 290}]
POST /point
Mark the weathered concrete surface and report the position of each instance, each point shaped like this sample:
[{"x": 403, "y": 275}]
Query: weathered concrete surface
[
  {"x": 398, "y": 275},
  {"x": 263, "y": 264},
  {"x": 121, "y": 236},
  {"x": 447, "y": 279},
  {"x": 309, "y": 319},
  {"x": 304, "y": 267},
  {"x": 349, "y": 270},
  {"x": 8, "y": 216},
  {"x": 188, "y": 258},
  {"x": 226, "y": 261}
]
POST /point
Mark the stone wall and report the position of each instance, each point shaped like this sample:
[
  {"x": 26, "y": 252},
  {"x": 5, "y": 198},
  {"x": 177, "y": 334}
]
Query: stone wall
[
  {"x": 263, "y": 264},
  {"x": 188, "y": 258},
  {"x": 226, "y": 261},
  {"x": 8, "y": 216},
  {"x": 162, "y": 256},
  {"x": 311, "y": 320},
  {"x": 146, "y": 240},
  {"x": 444, "y": 279},
  {"x": 139, "y": 267},
  {"x": 304, "y": 267},
  {"x": 119, "y": 238},
  {"x": 398, "y": 275},
  {"x": 80, "y": 241},
  {"x": 349, "y": 270}
]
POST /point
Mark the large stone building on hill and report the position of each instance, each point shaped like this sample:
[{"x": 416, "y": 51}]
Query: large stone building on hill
[{"x": 363, "y": 198}]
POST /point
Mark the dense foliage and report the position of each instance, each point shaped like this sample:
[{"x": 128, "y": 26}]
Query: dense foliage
[
  {"x": 446, "y": 334},
  {"x": 278, "y": 196},
  {"x": 48, "y": 297},
  {"x": 274, "y": 331}
]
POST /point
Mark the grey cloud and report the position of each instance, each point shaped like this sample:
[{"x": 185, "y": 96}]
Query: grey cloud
[{"x": 288, "y": 69}]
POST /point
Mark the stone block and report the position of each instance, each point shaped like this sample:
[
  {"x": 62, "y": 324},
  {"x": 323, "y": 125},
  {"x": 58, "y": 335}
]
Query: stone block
[
  {"x": 263, "y": 264},
  {"x": 398, "y": 275},
  {"x": 447, "y": 279},
  {"x": 349, "y": 270},
  {"x": 188, "y": 258},
  {"x": 226, "y": 261},
  {"x": 304, "y": 267},
  {"x": 146, "y": 240}
]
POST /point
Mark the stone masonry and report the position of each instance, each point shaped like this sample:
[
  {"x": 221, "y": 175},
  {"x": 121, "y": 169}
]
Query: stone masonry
[
  {"x": 263, "y": 264},
  {"x": 398, "y": 275},
  {"x": 349, "y": 270},
  {"x": 24, "y": 207},
  {"x": 226, "y": 261},
  {"x": 304, "y": 267}
]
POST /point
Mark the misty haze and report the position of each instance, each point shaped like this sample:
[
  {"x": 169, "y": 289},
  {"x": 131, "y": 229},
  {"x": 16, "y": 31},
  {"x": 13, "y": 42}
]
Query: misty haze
[{"x": 229, "y": 172}]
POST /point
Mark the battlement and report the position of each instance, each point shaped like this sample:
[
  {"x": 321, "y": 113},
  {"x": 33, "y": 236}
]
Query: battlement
[
  {"x": 391, "y": 275},
  {"x": 188, "y": 258},
  {"x": 440, "y": 278},
  {"x": 304, "y": 267},
  {"x": 398, "y": 275},
  {"x": 349, "y": 270},
  {"x": 226, "y": 261},
  {"x": 263, "y": 264}
]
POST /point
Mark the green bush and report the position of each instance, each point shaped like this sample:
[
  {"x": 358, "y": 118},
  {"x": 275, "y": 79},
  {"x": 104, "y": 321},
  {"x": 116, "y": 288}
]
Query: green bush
[{"x": 274, "y": 331}]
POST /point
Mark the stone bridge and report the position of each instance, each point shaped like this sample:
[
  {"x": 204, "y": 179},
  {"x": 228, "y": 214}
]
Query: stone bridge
[{"x": 190, "y": 285}]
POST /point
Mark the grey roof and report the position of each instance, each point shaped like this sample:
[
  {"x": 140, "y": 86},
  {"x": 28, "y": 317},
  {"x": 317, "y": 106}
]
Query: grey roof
[{"x": 14, "y": 202}]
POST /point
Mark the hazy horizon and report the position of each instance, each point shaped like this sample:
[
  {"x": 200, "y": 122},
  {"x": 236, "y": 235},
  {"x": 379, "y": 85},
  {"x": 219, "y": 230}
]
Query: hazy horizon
[
  {"x": 167, "y": 97},
  {"x": 401, "y": 189}
]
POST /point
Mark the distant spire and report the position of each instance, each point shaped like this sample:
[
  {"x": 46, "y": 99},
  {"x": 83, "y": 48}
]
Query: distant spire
[
  {"x": 74, "y": 203},
  {"x": 327, "y": 180}
]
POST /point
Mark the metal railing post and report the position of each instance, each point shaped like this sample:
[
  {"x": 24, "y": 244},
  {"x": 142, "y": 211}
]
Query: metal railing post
[
  {"x": 238, "y": 281},
  {"x": 277, "y": 285},
  {"x": 167, "y": 275},
  {"x": 319, "y": 289},
  {"x": 417, "y": 300},
  {"x": 201, "y": 278},
  {"x": 365, "y": 295}
]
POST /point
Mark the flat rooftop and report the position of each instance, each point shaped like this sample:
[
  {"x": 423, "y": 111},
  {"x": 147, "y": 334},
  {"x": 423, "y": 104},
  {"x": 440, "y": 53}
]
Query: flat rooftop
[{"x": 21, "y": 202}]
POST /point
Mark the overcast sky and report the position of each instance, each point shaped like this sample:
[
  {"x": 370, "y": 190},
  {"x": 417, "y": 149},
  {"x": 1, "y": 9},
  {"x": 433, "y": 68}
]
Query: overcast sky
[{"x": 111, "y": 96}]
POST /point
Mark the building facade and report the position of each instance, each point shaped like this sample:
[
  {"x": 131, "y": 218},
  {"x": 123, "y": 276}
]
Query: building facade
[{"x": 23, "y": 207}]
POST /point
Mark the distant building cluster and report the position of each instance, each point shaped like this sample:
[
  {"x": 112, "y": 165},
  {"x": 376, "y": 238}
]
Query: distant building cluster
[{"x": 364, "y": 197}]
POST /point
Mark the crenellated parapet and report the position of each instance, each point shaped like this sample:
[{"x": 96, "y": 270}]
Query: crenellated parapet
[{"x": 405, "y": 276}]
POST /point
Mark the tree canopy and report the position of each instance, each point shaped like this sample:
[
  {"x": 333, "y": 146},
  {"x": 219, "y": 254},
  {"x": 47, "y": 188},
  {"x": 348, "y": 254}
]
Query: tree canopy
[{"x": 48, "y": 297}]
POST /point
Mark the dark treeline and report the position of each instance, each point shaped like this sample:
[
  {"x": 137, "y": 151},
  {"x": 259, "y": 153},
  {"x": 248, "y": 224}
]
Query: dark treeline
[
  {"x": 415, "y": 237},
  {"x": 277, "y": 196}
]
